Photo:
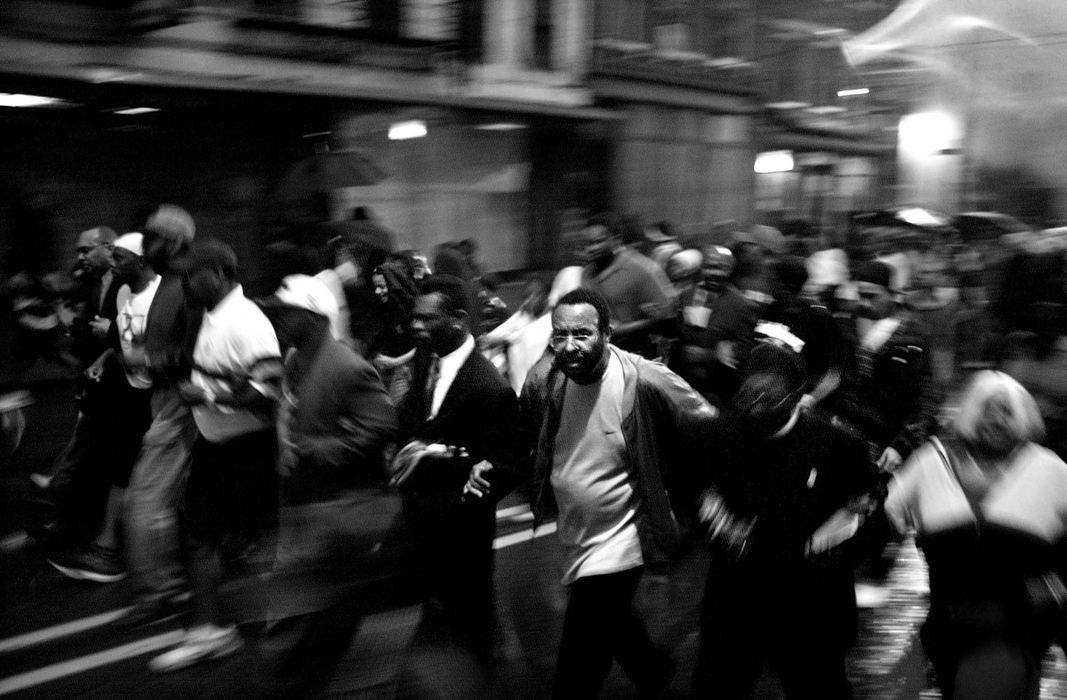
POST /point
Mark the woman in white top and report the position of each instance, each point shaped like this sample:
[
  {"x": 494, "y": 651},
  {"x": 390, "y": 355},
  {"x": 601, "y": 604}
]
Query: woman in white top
[{"x": 989, "y": 507}]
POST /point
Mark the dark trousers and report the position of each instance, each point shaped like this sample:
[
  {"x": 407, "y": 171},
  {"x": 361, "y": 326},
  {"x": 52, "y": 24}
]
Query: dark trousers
[
  {"x": 230, "y": 498},
  {"x": 454, "y": 554},
  {"x": 601, "y": 624},
  {"x": 102, "y": 450},
  {"x": 751, "y": 620}
]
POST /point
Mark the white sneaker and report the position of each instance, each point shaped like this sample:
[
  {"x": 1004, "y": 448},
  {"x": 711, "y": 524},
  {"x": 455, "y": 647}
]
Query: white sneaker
[{"x": 199, "y": 644}]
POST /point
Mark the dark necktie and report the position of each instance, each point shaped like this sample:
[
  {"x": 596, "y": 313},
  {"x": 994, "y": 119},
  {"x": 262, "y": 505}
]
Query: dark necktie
[{"x": 432, "y": 375}]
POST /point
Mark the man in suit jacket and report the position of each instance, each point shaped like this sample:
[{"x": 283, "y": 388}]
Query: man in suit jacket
[
  {"x": 459, "y": 417},
  {"x": 340, "y": 548}
]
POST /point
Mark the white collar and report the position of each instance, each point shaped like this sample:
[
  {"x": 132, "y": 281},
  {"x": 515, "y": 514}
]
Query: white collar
[{"x": 451, "y": 362}]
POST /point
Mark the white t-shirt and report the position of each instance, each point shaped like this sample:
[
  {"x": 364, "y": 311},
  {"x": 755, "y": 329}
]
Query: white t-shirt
[
  {"x": 131, "y": 320},
  {"x": 235, "y": 340},
  {"x": 597, "y": 522}
]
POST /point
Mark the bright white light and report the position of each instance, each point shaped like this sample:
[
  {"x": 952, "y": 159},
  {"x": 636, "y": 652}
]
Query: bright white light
[
  {"x": 853, "y": 92},
  {"x": 774, "y": 162},
  {"x": 787, "y": 104},
  {"x": 926, "y": 133},
  {"x": 826, "y": 109},
  {"x": 920, "y": 217},
  {"x": 8, "y": 99},
  {"x": 407, "y": 130},
  {"x": 134, "y": 111},
  {"x": 501, "y": 126}
]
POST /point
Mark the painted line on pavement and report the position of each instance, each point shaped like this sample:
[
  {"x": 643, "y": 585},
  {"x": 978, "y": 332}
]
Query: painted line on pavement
[
  {"x": 519, "y": 513},
  {"x": 86, "y": 663},
  {"x": 54, "y": 672},
  {"x": 523, "y": 536},
  {"x": 49, "y": 633},
  {"x": 511, "y": 512}
]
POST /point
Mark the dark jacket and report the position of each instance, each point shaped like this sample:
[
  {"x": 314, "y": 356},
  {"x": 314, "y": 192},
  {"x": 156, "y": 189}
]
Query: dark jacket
[
  {"x": 170, "y": 331},
  {"x": 667, "y": 427},
  {"x": 343, "y": 419},
  {"x": 340, "y": 527},
  {"x": 894, "y": 399},
  {"x": 479, "y": 413}
]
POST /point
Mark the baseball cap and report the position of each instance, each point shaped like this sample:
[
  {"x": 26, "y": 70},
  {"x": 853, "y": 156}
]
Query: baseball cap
[
  {"x": 306, "y": 292},
  {"x": 133, "y": 242}
]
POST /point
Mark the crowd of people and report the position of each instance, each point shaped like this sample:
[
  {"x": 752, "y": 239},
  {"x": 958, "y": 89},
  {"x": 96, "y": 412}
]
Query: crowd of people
[{"x": 785, "y": 407}]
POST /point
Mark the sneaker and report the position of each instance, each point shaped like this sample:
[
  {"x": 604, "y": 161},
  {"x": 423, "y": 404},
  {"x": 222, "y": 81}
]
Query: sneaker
[
  {"x": 93, "y": 564},
  {"x": 200, "y": 644}
]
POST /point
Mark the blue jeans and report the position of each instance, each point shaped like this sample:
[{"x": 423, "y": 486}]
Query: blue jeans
[{"x": 154, "y": 497}]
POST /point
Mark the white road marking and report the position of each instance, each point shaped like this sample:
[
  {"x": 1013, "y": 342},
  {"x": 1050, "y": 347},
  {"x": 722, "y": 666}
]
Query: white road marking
[
  {"x": 54, "y": 672},
  {"x": 511, "y": 512},
  {"x": 523, "y": 536},
  {"x": 49, "y": 633},
  {"x": 87, "y": 663}
]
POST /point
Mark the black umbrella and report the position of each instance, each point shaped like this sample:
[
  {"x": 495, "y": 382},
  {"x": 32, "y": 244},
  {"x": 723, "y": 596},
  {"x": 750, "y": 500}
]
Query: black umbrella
[{"x": 325, "y": 172}]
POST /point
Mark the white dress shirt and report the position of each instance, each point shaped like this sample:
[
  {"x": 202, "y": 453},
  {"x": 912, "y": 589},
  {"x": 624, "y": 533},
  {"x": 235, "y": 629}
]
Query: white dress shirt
[{"x": 449, "y": 366}]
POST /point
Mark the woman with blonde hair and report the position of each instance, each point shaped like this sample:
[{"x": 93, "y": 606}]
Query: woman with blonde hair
[{"x": 989, "y": 508}]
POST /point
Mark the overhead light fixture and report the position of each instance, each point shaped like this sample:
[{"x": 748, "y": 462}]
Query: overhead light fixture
[
  {"x": 826, "y": 109},
  {"x": 853, "y": 92},
  {"x": 15, "y": 99},
  {"x": 134, "y": 111},
  {"x": 788, "y": 104},
  {"x": 774, "y": 162},
  {"x": 500, "y": 126},
  {"x": 401, "y": 131}
]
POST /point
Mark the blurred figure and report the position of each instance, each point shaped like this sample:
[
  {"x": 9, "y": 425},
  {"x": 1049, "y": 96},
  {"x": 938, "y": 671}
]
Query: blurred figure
[
  {"x": 339, "y": 273},
  {"x": 524, "y": 336},
  {"x": 161, "y": 333},
  {"x": 12, "y": 421},
  {"x": 786, "y": 490},
  {"x": 661, "y": 242},
  {"x": 230, "y": 493},
  {"x": 393, "y": 348},
  {"x": 715, "y": 329},
  {"x": 989, "y": 507},
  {"x": 636, "y": 289},
  {"x": 683, "y": 270},
  {"x": 614, "y": 433},
  {"x": 334, "y": 421},
  {"x": 977, "y": 336},
  {"x": 825, "y": 349},
  {"x": 76, "y": 490},
  {"x": 96, "y": 310},
  {"x": 116, "y": 424},
  {"x": 888, "y": 393},
  {"x": 935, "y": 299},
  {"x": 459, "y": 417}
]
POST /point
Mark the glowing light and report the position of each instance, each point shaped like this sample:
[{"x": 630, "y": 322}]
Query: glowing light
[
  {"x": 826, "y": 109},
  {"x": 920, "y": 217},
  {"x": 853, "y": 92},
  {"x": 501, "y": 126},
  {"x": 774, "y": 162},
  {"x": 134, "y": 111},
  {"x": 9, "y": 99},
  {"x": 401, "y": 131},
  {"x": 926, "y": 133},
  {"x": 787, "y": 104}
]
